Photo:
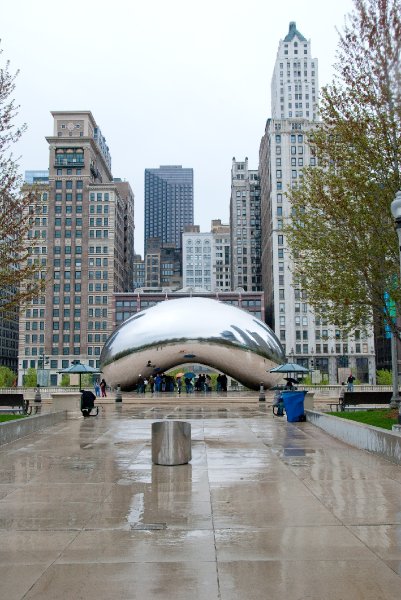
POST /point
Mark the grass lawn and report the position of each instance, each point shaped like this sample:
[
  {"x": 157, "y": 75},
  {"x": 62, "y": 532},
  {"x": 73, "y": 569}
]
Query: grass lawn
[
  {"x": 11, "y": 417},
  {"x": 384, "y": 418}
]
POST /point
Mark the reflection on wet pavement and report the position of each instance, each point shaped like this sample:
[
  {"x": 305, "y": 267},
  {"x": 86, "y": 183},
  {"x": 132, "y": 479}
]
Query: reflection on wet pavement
[{"x": 265, "y": 509}]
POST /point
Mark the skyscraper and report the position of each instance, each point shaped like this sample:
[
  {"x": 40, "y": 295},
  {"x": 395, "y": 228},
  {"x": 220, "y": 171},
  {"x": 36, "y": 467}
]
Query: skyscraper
[
  {"x": 82, "y": 235},
  {"x": 169, "y": 203},
  {"x": 163, "y": 265},
  {"x": 284, "y": 152},
  {"x": 206, "y": 258},
  {"x": 245, "y": 227},
  {"x": 295, "y": 83}
]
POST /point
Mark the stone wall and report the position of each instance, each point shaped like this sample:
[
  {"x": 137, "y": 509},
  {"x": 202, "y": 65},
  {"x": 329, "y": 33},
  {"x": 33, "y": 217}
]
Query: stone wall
[
  {"x": 20, "y": 428},
  {"x": 365, "y": 437}
]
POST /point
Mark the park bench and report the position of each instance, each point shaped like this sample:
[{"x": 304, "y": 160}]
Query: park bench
[
  {"x": 352, "y": 399},
  {"x": 15, "y": 402}
]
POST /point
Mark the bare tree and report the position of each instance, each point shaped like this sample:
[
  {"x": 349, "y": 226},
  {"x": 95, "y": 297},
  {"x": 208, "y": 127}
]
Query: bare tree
[{"x": 20, "y": 281}]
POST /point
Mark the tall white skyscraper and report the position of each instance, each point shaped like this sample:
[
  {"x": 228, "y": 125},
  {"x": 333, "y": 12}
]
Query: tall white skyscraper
[
  {"x": 284, "y": 152},
  {"x": 295, "y": 81}
]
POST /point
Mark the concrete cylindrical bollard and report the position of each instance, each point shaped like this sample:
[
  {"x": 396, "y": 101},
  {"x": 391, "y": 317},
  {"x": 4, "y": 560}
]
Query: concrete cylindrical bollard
[
  {"x": 119, "y": 397},
  {"x": 171, "y": 443},
  {"x": 262, "y": 396}
]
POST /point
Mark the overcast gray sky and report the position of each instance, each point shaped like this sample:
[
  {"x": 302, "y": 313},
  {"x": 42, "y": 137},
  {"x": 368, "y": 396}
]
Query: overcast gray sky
[{"x": 168, "y": 81}]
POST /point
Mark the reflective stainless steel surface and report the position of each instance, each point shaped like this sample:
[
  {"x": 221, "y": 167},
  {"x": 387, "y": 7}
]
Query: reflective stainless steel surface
[
  {"x": 171, "y": 443},
  {"x": 192, "y": 330}
]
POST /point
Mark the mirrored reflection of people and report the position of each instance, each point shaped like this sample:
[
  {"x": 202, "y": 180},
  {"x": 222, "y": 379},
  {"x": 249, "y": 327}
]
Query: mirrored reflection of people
[
  {"x": 350, "y": 383},
  {"x": 179, "y": 384},
  {"x": 97, "y": 388},
  {"x": 223, "y": 380},
  {"x": 103, "y": 386}
]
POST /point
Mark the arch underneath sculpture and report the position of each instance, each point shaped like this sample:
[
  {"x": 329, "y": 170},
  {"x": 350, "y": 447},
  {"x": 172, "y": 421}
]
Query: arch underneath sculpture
[{"x": 192, "y": 330}]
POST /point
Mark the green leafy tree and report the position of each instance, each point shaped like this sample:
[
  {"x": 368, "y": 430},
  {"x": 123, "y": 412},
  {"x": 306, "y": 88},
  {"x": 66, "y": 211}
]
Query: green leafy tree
[
  {"x": 7, "y": 377},
  {"x": 65, "y": 380},
  {"x": 87, "y": 380},
  {"x": 20, "y": 278},
  {"x": 384, "y": 377},
  {"x": 30, "y": 378},
  {"x": 341, "y": 233}
]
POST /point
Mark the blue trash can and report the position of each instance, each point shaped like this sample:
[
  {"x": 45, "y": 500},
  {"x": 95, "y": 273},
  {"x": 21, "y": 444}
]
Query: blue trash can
[{"x": 294, "y": 405}]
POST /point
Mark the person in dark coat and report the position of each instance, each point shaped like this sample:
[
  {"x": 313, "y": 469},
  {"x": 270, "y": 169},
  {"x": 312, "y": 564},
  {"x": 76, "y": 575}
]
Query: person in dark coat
[{"x": 87, "y": 402}]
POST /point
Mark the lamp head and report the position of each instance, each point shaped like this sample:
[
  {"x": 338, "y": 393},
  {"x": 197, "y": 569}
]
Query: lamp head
[{"x": 396, "y": 207}]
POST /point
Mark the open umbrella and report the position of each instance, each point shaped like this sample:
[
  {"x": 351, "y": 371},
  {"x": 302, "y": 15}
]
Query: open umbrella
[
  {"x": 289, "y": 368},
  {"x": 80, "y": 369},
  {"x": 291, "y": 380},
  {"x": 189, "y": 375},
  {"x": 179, "y": 375}
]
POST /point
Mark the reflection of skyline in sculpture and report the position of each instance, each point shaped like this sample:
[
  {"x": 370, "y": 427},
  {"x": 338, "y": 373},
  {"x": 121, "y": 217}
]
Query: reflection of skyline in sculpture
[{"x": 218, "y": 335}]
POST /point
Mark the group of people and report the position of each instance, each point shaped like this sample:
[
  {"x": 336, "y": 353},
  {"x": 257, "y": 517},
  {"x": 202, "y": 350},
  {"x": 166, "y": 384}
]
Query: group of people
[
  {"x": 166, "y": 383},
  {"x": 221, "y": 383},
  {"x": 203, "y": 383},
  {"x": 101, "y": 388},
  {"x": 155, "y": 383}
]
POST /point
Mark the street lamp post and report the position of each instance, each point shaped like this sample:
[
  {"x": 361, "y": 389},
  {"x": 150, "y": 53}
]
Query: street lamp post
[
  {"x": 396, "y": 212},
  {"x": 41, "y": 373}
]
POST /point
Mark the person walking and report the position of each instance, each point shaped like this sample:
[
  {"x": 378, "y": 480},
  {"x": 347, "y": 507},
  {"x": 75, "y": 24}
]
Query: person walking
[
  {"x": 97, "y": 388},
  {"x": 224, "y": 382},
  {"x": 158, "y": 383},
  {"x": 188, "y": 385},
  {"x": 350, "y": 383},
  {"x": 103, "y": 386},
  {"x": 140, "y": 386}
]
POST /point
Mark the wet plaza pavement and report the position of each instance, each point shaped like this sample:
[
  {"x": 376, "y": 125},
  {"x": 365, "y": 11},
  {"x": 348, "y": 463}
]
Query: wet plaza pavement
[{"x": 265, "y": 510}]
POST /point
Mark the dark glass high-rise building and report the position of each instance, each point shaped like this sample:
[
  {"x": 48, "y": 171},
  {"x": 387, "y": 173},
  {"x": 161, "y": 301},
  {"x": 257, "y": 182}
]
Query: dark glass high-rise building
[{"x": 169, "y": 203}]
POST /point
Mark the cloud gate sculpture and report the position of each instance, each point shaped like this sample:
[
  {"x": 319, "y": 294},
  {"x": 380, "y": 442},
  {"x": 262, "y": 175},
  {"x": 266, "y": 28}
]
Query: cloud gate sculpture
[{"x": 192, "y": 330}]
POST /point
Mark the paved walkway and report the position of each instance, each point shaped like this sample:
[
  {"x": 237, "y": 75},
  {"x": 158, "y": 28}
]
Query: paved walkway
[{"x": 266, "y": 510}]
